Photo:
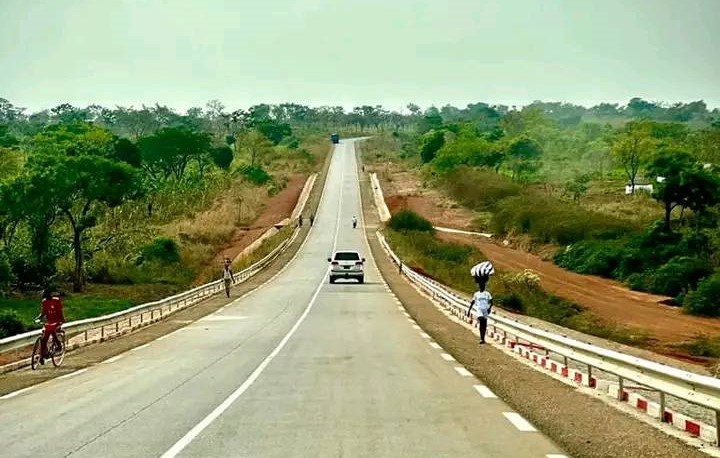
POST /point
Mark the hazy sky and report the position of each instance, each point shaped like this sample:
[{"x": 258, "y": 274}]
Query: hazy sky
[{"x": 336, "y": 52}]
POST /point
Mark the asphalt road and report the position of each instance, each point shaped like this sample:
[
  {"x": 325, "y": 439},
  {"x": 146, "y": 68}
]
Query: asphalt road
[{"x": 298, "y": 367}]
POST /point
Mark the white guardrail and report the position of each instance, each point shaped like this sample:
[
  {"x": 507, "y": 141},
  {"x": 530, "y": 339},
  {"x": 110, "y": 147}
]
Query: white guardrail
[
  {"x": 693, "y": 388},
  {"x": 101, "y": 327}
]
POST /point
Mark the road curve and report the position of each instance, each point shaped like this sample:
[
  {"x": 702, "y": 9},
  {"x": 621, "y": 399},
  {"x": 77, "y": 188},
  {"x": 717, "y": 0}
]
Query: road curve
[{"x": 298, "y": 367}]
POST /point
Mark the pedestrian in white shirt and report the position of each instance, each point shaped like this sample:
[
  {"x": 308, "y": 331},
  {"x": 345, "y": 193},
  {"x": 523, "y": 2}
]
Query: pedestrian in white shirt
[
  {"x": 482, "y": 303},
  {"x": 228, "y": 276}
]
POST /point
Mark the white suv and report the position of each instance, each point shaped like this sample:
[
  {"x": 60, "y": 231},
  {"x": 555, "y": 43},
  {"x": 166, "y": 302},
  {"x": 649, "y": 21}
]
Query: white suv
[{"x": 347, "y": 264}]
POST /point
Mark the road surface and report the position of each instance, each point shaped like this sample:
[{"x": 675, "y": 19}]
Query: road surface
[{"x": 298, "y": 367}]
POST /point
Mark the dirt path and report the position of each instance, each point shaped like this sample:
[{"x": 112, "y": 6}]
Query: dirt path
[
  {"x": 277, "y": 208},
  {"x": 607, "y": 299}
]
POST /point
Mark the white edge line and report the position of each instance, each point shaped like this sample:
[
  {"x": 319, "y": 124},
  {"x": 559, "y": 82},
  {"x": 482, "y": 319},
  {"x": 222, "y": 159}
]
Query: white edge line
[
  {"x": 447, "y": 357},
  {"x": 485, "y": 391},
  {"x": 113, "y": 359},
  {"x": 73, "y": 374},
  {"x": 15, "y": 393},
  {"x": 552, "y": 455},
  {"x": 425, "y": 335},
  {"x": 519, "y": 422},
  {"x": 141, "y": 347},
  {"x": 462, "y": 371},
  {"x": 435, "y": 345}
]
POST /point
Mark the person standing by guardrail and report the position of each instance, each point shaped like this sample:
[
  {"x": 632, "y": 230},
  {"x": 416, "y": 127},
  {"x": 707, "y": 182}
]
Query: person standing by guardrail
[
  {"x": 228, "y": 276},
  {"x": 482, "y": 302}
]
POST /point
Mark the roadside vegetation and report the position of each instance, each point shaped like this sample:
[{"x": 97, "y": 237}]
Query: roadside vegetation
[
  {"x": 119, "y": 206},
  {"x": 413, "y": 238},
  {"x": 554, "y": 174}
]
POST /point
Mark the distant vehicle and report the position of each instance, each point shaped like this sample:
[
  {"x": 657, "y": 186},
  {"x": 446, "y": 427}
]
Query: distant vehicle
[
  {"x": 335, "y": 138},
  {"x": 347, "y": 264}
]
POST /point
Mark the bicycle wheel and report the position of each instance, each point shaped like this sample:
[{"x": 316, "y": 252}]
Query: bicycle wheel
[
  {"x": 58, "y": 355},
  {"x": 35, "y": 360}
]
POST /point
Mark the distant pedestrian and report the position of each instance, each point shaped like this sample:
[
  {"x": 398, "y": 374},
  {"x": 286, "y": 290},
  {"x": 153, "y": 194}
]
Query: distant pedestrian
[
  {"x": 312, "y": 219},
  {"x": 228, "y": 276},
  {"x": 482, "y": 303},
  {"x": 300, "y": 221}
]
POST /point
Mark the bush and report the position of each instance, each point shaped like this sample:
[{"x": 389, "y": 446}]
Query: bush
[
  {"x": 5, "y": 273},
  {"x": 10, "y": 324},
  {"x": 408, "y": 220},
  {"x": 592, "y": 257},
  {"x": 479, "y": 189},
  {"x": 254, "y": 174},
  {"x": 679, "y": 274},
  {"x": 162, "y": 250},
  {"x": 550, "y": 220},
  {"x": 705, "y": 300}
]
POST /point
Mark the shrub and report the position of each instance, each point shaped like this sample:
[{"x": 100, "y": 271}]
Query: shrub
[
  {"x": 408, "y": 220},
  {"x": 254, "y": 174},
  {"x": 163, "y": 250},
  {"x": 592, "y": 257},
  {"x": 705, "y": 300},
  {"x": 10, "y": 324},
  {"x": 678, "y": 274},
  {"x": 479, "y": 189},
  {"x": 5, "y": 273}
]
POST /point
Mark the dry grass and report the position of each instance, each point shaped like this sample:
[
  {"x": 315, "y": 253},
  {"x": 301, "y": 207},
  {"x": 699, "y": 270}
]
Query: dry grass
[{"x": 608, "y": 197}]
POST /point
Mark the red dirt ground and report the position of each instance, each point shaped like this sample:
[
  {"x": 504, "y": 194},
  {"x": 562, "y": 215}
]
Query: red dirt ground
[
  {"x": 277, "y": 208},
  {"x": 605, "y": 298}
]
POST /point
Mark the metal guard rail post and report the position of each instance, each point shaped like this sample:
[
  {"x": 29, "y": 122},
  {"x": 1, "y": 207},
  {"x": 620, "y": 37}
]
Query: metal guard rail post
[
  {"x": 695, "y": 388},
  {"x": 172, "y": 303}
]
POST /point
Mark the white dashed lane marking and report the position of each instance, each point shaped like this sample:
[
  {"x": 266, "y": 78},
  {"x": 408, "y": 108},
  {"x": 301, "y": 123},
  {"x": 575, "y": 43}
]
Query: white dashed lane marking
[
  {"x": 416, "y": 327},
  {"x": 462, "y": 371},
  {"x": 519, "y": 422},
  {"x": 555, "y": 456},
  {"x": 424, "y": 335},
  {"x": 447, "y": 357},
  {"x": 435, "y": 345},
  {"x": 485, "y": 391}
]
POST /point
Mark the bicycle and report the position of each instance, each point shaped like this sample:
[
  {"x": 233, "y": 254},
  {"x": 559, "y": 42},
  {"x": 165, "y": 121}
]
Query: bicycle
[{"x": 56, "y": 350}]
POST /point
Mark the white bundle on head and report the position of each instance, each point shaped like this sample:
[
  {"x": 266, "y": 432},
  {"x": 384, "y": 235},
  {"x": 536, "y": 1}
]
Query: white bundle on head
[{"x": 484, "y": 269}]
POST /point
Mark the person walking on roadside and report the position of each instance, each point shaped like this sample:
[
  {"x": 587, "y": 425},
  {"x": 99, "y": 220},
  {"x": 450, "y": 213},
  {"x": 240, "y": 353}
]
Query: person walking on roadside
[
  {"x": 312, "y": 219},
  {"x": 228, "y": 276},
  {"x": 482, "y": 303},
  {"x": 300, "y": 221}
]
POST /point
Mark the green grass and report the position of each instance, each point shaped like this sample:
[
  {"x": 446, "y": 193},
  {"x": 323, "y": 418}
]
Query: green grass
[{"x": 98, "y": 300}]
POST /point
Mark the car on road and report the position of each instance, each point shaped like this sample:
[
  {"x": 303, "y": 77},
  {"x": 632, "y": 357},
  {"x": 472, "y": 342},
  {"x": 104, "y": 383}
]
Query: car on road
[{"x": 347, "y": 264}]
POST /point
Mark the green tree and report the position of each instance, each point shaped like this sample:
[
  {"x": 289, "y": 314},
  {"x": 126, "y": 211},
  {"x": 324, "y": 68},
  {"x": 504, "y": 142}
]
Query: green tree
[
  {"x": 168, "y": 153},
  {"x": 431, "y": 143},
  {"x": 523, "y": 156},
  {"x": 633, "y": 147},
  {"x": 80, "y": 186},
  {"x": 685, "y": 183},
  {"x": 273, "y": 130},
  {"x": 128, "y": 152},
  {"x": 222, "y": 156}
]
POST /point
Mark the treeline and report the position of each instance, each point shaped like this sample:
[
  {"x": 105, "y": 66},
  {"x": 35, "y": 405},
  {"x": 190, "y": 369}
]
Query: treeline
[{"x": 66, "y": 172}]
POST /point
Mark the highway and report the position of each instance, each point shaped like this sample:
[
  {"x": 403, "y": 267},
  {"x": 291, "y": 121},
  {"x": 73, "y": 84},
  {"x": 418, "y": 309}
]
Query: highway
[{"x": 299, "y": 367}]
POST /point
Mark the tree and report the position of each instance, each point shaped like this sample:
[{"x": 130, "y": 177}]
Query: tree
[
  {"x": 256, "y": 145},
  {"x": 222, "y": 156},
  {"x": 468, "y": 149},
  {"x": 632, "y": 148},
  {"x": 273, "y": 130},
  {"x": 577, "y": 187},
  {"x": 523, "y": 156},
  {"x": 128, "y": 152},
  {"x": 685, "y": 184},
  {"x": 168, "y": 153},
  {"x": 79, "y": 186},
  {"x": 431, "y": 143}
]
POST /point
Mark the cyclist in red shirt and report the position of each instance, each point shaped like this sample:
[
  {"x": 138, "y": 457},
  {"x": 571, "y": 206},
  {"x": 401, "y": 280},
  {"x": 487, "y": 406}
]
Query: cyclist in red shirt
[{"x": 52, "y": 311}]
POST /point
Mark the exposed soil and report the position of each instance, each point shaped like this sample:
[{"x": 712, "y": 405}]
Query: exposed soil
[
  {"x": 607, "y": 299},
  {"x": 276, "y": 209}
]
